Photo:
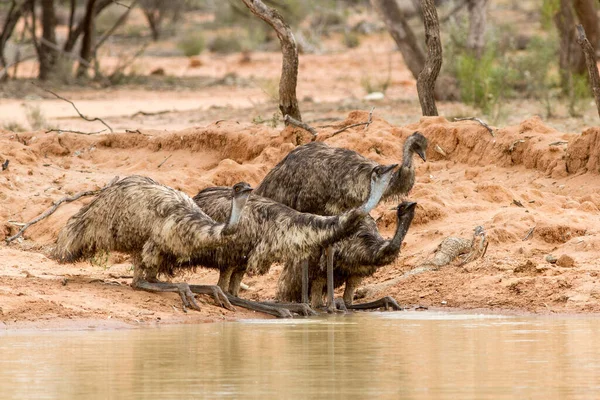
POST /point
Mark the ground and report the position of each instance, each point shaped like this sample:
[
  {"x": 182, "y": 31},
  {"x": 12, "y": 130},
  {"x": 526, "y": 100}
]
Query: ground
[{"x": 533, "y": 173}]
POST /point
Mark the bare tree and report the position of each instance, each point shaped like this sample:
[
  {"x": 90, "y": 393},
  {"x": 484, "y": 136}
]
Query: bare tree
[
  {"x": 76, "y": 32},
  {"x": 156, "y": 11},
  {"x": 288, "y": 102},
  {"x": 405, "y": 39},
  {"x": 433, "y": 62},
  {"x": 14, "y": 14},
  {"x": 477, "y": 16},
  {"x": 87, "y": 43},
  {"x": 592, "y": 66}
]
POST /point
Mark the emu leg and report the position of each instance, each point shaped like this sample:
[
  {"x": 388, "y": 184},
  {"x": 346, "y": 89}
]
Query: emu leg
[
  {"x": 386, "y": 302},
  {"x": 216, "y": 292},
  {"x": 187, "y": 297},
  {"x": 330, "y": 300},
  {"x": 225, "y": 278},
  {"x": 316, "y": 293},
  {"x": 340, "y": 305},
  {"x": 304, "y": 297},
  {"x": 236, "y": 281},
  {"x": 257, "y": 306}
]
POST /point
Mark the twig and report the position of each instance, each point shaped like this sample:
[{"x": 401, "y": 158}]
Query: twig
[
  {"x": 300, "y": 124},
  {"x": 124, "y": 5},
  {"x": 146, "y": 113},
  {"x": 164, "y": 161},
  {"x": 456, "y": 9},
  {"x": 511, "y": 148},
  {"x": 4, "y": 70},
  {"x": 518, "y": 203},
  {"x": 348, "y": 127},
  {"x": 486, "y": 126},
  {"x": 558, "y": 143},
  {"x": 5, "y": 164},
  {"x": 75, "y": 107},
  {"x": 72, "y": 131},
  {"x": 17, "y": 223},
  {"x": 57, "y": 204},
  {"x": 130, "y": 131},
  {"x": 117, "y": 24},
  {"x": 590, "y": 61},
  {"x": 370, "y": 118},
  {"x": 440, "y": 150},
  {"x": 529, "y": 234}
]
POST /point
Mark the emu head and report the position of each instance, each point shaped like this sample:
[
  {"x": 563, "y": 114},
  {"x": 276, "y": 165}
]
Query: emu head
[
  {"x": 416, "y": 143},
  {"x": 380, "y": 178},
  {"x": 405, "y": 207}
]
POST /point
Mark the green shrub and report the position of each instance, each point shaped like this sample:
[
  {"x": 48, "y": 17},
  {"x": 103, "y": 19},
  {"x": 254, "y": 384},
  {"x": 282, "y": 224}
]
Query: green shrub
[
  {"x": 351, "y": 40},
  {"x": 192, "y": 44},
  {"x": 35, "y": 117},
  {"x": 226, "y": 44}
]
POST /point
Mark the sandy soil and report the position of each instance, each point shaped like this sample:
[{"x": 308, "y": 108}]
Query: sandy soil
[{"x": 474, "y": 183}]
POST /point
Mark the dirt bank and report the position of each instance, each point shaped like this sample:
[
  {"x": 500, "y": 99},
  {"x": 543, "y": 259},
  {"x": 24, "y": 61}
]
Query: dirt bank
[{"x": 525, "y": 176}]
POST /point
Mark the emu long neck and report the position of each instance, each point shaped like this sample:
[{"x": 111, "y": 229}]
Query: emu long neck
[
  {"x": 392, "y": 246},
  {"x": 237, "y": 204},
  {"x": 404, "y": 178},
  {"x": 375, "y": 194}
]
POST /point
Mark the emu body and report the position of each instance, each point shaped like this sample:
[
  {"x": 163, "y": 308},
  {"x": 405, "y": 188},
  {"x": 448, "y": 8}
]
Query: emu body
[
  {"x": 161, "y": 228},
  {"x": 356, "y": 257}
]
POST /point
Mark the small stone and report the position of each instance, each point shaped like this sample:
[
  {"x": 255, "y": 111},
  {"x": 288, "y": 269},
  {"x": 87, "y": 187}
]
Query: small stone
[
  {"x": 551, "y": 259},
  {"x": 565, "y": 261},
  {"x": 444, "y": 302}
]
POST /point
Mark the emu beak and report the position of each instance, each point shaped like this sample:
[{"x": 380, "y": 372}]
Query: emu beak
[
  {"x": 421, "y": 154},
  {"x": 394, "y": 208},
  {"x": 388, "y": 168},
  {"x": 410, "y": 204},
  {"x": 246, "y": 189}
]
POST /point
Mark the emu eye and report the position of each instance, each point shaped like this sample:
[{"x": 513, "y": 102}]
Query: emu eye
[{"x": 237, "y": 188}]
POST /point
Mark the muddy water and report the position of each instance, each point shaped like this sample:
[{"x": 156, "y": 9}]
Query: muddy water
[{"x": 413, "y": 355}]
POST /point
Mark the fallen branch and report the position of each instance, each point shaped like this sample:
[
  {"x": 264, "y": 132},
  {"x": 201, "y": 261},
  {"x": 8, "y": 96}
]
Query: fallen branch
[
  {"x": 486, "y": 126},
  {"x": 75, "y": 107},
  {"x": 57, "y": 204},
  {"x": 590, "y": 61},
  {"x": 558, "y": 143},
  {"x": 147, "y": 114},
  {"x": 293, "y": 121},
  {"x": 72, "y": 131},
  {"x": 529, "y": 234},
  {"x": 164, "y": 161}
]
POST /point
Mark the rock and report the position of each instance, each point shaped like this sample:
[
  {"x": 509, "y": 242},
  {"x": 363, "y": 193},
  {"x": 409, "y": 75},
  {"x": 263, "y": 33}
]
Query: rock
[
  {"x": 551, "y": 259},
  {"x": 565, "y": 261}
]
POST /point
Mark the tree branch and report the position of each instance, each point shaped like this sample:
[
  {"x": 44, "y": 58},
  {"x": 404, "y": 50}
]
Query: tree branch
[
  {"x": 292, "y": 121},
  {"x": 433, "y": 61},
  {"x": 75, "y": 107},
  {"x": 590, "y": 60},
  {"x": 57, "y": 204}
]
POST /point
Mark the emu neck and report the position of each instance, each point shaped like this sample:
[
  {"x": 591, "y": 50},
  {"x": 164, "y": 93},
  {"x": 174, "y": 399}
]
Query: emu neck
[
  {"x": 236, "y": 212},
  {"x": 375, "y": 194},
  {"x": 403, "y": 178},
  {"x": 404, "y": 222}
]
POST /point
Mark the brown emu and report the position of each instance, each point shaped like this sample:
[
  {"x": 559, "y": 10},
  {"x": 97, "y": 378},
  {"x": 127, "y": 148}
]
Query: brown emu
[
  {"x": 325, "y": 180},
  {"x": 356, "y": 257},
  {"x": 161, "y": 228},
  {"x": 269, "y": 231}
]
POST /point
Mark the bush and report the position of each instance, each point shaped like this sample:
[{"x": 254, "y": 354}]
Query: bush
[
  {"x": 192, "y": 45},
  {"x": 225, "y": 44}
]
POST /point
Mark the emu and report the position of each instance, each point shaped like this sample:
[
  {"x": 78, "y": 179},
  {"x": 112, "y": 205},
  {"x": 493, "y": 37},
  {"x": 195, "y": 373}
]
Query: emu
[
  {"x": 160, "y": 227},
  {"x": 269, "y": 231},
  {"x": 325, "y": 180},
  {"x": 357, "y": 257}
]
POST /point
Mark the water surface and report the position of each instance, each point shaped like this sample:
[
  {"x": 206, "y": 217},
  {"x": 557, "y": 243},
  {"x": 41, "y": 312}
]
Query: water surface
[{"x": 410, "y": 355}]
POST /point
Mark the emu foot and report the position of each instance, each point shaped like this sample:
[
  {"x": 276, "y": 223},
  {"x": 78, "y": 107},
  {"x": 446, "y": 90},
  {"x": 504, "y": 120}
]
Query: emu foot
[
  {"x": 216, "y": 292},
  {"x": 297, "y": 308},
  {"x": 187, "y": 297},
  {"x": 340, "y": 305},
  {"x": 260, "y": 307},
  {"x": 386, "y": 302}
]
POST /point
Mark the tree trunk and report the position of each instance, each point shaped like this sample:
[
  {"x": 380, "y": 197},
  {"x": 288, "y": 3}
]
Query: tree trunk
[
  {"x": 14, "y": 14},
  {"x": 588, "y": 18},
  {"x": 72, "y": 39},
  {"x": 288, "y": 103},
  {"x": 89, "y": 33},
  {"x": 154, "y": 21},
  {"x": 433, "y": 63},
  {"x": 592, "y": 66},
  {"x": 477, "y": 19},
  {"x": 570, "y": 56},
  {"x": 48, "y": 53},
  {"x": 400, "y": 31}
]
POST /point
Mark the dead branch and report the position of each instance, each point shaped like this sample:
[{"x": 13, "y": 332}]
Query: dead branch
[
  {"x": 293, "y": 121},
  {"x": 164, "y": 161},
  {"x": 5, "y": 164},
  {"x": 590, "y": 60},
  {"x": 147, "y": 114},
  {"x": 486, "y": 126},
  {"x": 529, "y": 234},
  {"x": 4, "y": 70},
  {"x": 288, "y": 102},
  {"x": 120, "y": 68},
  {"x": 370, "y": 118},
  {"x": 75, "y": 107},
  {"x": 439, "y": 149},
  {"x": 348, "y": 127},
  {"x": 57, "y": 204},
  {"x": 433, "y": 60},
  {"x": 117, "y": 24},
  {"x": 558, "y": 143},
  {"x": 452, "y": 12},
  {"x": 72, "y": 131}
]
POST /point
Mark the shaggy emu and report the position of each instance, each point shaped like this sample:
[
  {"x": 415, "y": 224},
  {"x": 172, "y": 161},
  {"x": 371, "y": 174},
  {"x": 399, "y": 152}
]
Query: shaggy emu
[
  {"x": 269, "y": 231},
  {"x": 324, "y": 180},
  {"x": 357, "y": 257},
  {"x": 161, "y": 228}
]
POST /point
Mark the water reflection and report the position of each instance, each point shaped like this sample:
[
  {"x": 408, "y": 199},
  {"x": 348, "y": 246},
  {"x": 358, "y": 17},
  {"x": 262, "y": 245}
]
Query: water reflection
[{"x": 389, "y": 355}]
